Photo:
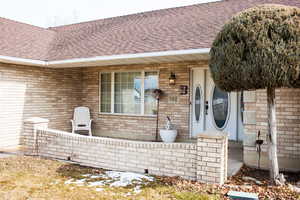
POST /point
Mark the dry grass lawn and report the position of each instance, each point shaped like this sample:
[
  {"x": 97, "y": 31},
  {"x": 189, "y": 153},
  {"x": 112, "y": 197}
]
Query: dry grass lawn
[{"x": 37, "y": 178}]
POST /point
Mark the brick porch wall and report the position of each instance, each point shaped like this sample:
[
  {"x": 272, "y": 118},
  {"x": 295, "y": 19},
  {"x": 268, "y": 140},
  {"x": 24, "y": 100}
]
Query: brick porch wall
[
  {"x": 40, "y": 92},
  {"x": 204, "y": 160},
  {"x": 288, "y": 121},
  {"x": 141, "y": 127}
]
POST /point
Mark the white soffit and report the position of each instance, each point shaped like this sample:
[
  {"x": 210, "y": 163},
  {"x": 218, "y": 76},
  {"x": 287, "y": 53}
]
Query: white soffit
[{"x": 152, "y": 57}]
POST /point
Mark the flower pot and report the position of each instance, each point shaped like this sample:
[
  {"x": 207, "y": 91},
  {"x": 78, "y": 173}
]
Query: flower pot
[{"x": 168, "y": 136}]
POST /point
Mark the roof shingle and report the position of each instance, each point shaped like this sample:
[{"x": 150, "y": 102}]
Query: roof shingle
[{"x": 189, "y": 27}]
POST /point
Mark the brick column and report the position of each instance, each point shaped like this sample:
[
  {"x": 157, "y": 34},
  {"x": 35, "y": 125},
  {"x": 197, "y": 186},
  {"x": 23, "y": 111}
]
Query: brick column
[
  {"x": 30, "y": 140},
  {"x": 253, "y": 104},
  {"x": 212, "y": 156}
]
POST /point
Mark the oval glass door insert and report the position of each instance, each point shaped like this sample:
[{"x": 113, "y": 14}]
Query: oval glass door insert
[
  {"x": 220, "y": 101},
  {"x": 197, "y": 103}
]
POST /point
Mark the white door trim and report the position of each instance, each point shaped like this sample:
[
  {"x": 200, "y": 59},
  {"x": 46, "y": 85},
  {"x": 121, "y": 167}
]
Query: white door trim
[
  {"x": 191, "y": 99},
  {"x": 232, "y": 124}
]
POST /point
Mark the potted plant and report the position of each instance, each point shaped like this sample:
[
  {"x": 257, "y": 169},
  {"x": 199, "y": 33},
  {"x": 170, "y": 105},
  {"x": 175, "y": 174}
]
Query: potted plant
[{"x": 169, "y": 134}]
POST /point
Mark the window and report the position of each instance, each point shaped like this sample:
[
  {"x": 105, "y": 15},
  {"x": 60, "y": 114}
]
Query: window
[
  {"x": 150, "y": 84},
  {"x": 105, "y": 92},
  {"x": 128, "y": 92}
]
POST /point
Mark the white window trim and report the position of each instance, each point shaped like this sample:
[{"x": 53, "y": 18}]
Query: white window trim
[{"x": 113, "y": 93}]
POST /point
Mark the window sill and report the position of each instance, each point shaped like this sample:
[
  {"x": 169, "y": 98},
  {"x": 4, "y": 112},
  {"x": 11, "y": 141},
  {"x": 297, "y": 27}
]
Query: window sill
[{"x": 127, "y": 115}]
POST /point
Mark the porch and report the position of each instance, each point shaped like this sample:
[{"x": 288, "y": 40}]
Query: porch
[
  {"x": 54, "y": 93},
  {"x": 235, "y": 154},
  {"x": 204, "y": 161}
]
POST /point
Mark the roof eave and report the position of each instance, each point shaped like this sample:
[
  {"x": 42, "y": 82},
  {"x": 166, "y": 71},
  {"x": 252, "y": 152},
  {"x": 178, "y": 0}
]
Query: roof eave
[
  {"x": 21, "y": 61},
  {"x": 150, "y": 57}
]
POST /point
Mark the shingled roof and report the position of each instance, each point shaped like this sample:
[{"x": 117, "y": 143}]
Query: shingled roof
[{"x": 189, "y": 27}]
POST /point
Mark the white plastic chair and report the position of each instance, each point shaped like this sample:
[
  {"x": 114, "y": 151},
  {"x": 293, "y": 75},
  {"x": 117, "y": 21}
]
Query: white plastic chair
[{"x": 82, "y": 120}]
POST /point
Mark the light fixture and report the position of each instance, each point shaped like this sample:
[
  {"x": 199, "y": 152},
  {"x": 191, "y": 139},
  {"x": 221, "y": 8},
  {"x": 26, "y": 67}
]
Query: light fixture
[{"x": 172, "y": 79}]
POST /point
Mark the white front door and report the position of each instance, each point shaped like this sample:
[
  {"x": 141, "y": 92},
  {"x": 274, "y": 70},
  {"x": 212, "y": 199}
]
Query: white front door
[{"x": 213, "y": 109}]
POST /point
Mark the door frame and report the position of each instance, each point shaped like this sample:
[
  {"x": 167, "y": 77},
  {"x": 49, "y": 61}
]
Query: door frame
[
  {"x": 239, "y": 136},
  {"x": 191, "y": 98}
]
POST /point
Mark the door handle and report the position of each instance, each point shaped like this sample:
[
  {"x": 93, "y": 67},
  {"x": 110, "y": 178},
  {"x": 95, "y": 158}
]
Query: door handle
[{"x": 206, "y": 107}]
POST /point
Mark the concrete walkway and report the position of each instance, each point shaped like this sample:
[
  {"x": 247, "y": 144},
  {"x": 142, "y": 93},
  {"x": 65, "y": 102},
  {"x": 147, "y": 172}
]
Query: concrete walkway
[{"x": 235, "y": 158}]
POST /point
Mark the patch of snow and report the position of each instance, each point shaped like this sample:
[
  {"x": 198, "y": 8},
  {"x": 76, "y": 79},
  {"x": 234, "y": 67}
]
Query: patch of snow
[
  {"x": 127, "y": 178},
  {"x": 69, "y": 181},
  {"x": 113, "y": 174},
  {"x": 113, "y": 179},
  {"x": 127, "y": 194},
  {"x": 97, "y": 176},
  {"x": 93, "y": 176},
  {"x": 86, "y": 175},
  {"x": 79, "y": 182},
  {"x": 137, "y": 189},
  {"x": 99, "y": 189},
  {"x": 96, "y": 183}
]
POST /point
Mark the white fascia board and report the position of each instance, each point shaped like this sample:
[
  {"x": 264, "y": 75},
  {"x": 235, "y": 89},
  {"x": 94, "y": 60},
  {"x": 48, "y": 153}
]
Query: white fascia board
[
  {"x": 128, "y": 56},
  {"x": 24, "y": 61}
]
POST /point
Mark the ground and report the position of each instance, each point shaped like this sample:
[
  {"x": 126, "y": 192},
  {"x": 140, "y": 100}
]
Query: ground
[{"x": 37, "y": 178}]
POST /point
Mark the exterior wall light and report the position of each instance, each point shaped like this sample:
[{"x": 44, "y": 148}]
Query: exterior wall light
[{"x": 172, "y": 79}]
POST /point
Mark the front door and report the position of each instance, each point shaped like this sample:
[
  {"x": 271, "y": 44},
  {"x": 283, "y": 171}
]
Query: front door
[{"x": 214, "y": 109}]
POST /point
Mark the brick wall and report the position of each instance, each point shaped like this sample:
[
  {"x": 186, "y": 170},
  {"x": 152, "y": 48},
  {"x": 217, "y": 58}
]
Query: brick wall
[
  {"x": 141, "y": 127},
  {"x": 53, "y": 93},
  {"x": 212, "y": 156},
  {"x": 186, "y": 160},
  {"x": 288, "y": 126},
  {"x": 40, "y": 92}
]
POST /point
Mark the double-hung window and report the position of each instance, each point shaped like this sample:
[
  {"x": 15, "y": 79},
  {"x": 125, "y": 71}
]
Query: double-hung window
[{"x": 128, "y": 92}]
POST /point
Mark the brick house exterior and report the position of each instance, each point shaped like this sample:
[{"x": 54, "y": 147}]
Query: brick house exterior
[
  {"x": 54, "y": 93},
  {"x": 33, "y": 91},
  {"x": 288, "y": 125},
  {"x": 142, "y": 127},
  {"x": 49, "y": 82}
]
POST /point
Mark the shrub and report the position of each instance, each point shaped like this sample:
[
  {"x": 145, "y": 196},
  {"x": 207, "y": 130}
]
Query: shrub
[{"x": 258, "y": 48}]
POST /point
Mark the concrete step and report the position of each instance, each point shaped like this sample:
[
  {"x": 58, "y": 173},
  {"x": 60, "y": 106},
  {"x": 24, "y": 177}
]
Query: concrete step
[{"x": 235, "y": 144}]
